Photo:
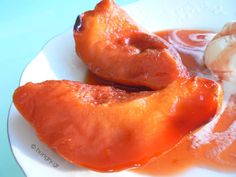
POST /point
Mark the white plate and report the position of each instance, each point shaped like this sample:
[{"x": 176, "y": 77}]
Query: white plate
[{"x": 58, "y": 60}]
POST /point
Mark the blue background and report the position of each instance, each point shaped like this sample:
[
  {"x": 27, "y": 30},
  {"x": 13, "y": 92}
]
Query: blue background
[{"x": 25, "y": 26}]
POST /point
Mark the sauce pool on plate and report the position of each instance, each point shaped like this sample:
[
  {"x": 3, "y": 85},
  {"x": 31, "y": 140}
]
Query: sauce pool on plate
[
  {"x": 211, "y": 146},
  {"x": 191, "y": 45}
]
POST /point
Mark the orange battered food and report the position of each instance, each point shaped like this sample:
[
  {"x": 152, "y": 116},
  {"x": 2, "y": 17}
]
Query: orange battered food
[
  {"x": 115, "y": 48},
  {"x": 107, "y": 129}
]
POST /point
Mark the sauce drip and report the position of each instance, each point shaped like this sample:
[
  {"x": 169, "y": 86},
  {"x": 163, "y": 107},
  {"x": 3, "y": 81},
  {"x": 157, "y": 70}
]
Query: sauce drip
[{"x": 211, "y": 146}]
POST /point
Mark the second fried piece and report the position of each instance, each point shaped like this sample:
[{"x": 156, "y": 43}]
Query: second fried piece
[{"x": 115, "y": 48}]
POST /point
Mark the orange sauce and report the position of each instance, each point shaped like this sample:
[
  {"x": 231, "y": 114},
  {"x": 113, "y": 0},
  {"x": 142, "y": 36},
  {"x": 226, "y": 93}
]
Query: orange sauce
[
  {"x": 191, "y": 45},
  {"x": 95, "y": 80},
  {"x": 211, "y": 146}
]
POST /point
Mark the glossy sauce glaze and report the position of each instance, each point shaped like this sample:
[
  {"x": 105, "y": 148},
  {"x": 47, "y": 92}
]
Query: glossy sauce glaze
[{"x": 211, "y": 146}]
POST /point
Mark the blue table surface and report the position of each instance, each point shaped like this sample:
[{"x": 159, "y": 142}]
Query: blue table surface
[{"x": 25, "y": 26}]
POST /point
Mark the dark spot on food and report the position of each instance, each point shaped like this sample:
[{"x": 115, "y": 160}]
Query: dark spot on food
[{"x": 78, "y": 23}]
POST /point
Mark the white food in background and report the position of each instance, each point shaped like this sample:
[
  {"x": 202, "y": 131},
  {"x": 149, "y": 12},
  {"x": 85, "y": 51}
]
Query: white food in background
[
  {"x": 228, "y": 29},
  {"x": 220, "y": 54}
]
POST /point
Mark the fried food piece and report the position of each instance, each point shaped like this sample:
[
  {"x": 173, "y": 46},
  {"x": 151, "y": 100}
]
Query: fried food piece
[
  {"x": 117, "y": 49},
  {"x": 107, "y": 129}
]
